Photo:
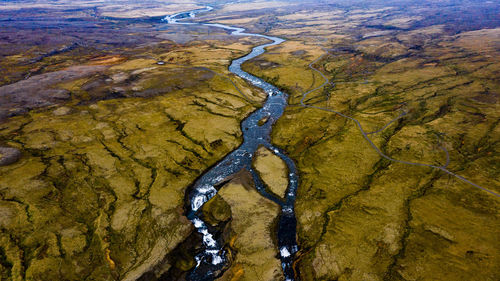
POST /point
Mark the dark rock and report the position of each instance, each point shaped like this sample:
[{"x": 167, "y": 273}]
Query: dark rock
[
  {"x": 298, "y": 53},
  {"x": 38, "y": 91},
  {"x": 9, "y": 155}
]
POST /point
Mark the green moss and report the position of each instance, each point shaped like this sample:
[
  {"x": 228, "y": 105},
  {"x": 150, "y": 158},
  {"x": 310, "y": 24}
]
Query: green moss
[
  {"x": 109, "y": 174},
  {"x": 344, "y": 182},
  {"x": 216, "y": 210}
]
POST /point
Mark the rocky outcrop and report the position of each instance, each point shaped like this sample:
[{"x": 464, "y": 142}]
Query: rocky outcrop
[
  {"x": 36, "y": 91},
  {"x": 9, "y": 155},
  {"x": 249, "y": 222},
  {"x": 272, "y": 170}
]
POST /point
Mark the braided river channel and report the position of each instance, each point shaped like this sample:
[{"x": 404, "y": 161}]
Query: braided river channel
[{"x": 212, "y": 260}]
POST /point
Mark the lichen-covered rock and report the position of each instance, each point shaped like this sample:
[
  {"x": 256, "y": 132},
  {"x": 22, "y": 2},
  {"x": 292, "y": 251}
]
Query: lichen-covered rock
[{"x": 63, "y": 110}]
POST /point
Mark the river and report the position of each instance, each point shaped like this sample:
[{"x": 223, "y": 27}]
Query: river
[{"x": 212, "y": 260}]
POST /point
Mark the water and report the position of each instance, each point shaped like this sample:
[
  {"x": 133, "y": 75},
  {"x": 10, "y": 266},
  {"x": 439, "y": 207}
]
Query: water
[{"x": 212, "y": 260}]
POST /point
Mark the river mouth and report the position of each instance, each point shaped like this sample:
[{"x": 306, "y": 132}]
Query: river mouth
[{"x": 256, "y": 129}]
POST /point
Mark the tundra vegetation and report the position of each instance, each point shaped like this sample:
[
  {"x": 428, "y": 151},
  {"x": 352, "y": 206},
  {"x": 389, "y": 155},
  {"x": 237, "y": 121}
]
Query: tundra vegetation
[{"x": 99, "y": 142}]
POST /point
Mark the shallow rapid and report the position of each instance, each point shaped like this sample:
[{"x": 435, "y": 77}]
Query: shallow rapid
[{"x": 212, "y": 260}]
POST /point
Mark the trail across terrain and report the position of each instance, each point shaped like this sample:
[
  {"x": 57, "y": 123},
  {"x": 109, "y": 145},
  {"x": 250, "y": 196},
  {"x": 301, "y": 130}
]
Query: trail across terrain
[
  {"x": 365, "y": 134},
  {"x": 211, "y": 261}
]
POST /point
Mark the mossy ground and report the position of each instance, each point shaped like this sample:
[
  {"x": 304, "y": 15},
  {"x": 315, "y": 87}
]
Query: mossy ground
[
  {"x": 253, "y": 217},
  {"x": 272, "y": 170},
  {"x": 249, "y": 234},
  {"x": 362, "y": 217},
  {"x": 98, "y": 193}
]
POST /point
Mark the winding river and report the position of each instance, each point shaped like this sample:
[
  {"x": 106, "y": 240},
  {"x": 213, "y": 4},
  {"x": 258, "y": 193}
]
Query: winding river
[{"x": 212, "y": 260}]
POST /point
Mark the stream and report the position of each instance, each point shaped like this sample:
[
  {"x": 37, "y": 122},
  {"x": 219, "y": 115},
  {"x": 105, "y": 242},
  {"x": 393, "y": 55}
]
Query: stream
[{"x": 211, "y": 262}]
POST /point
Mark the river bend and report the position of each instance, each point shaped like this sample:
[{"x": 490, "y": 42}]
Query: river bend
[{"x": 212, "y": 260}]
